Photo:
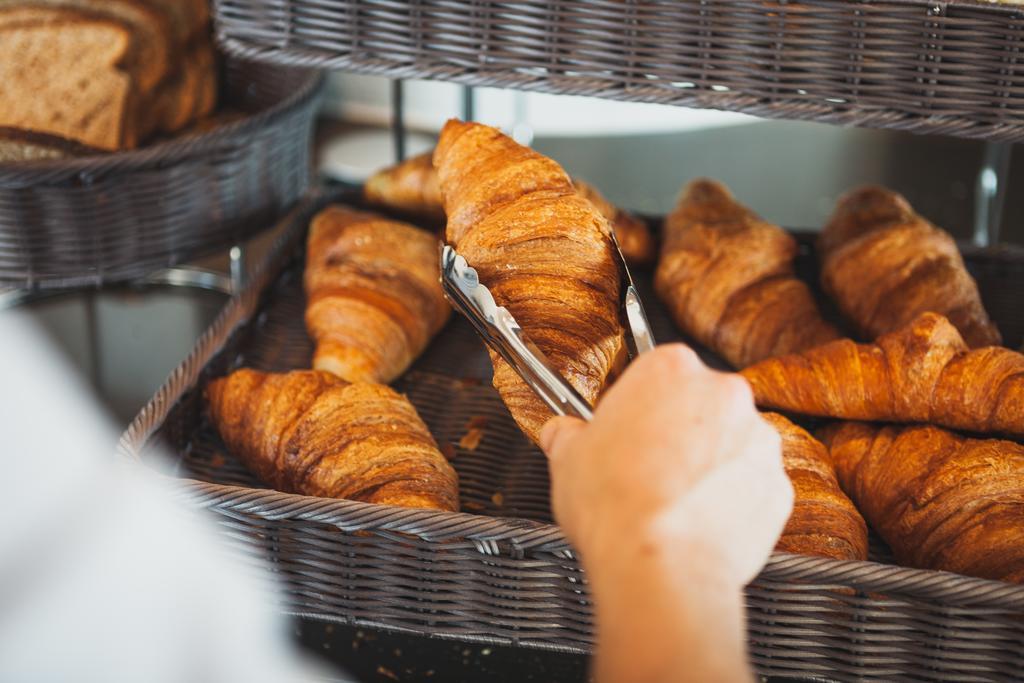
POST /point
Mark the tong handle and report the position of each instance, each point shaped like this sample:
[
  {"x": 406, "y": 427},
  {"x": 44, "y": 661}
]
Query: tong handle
[
  {"x": 639, "y": 327},
  {"x": 636, "y": 318},
  {"x": 536, "y": 370},
  {"x": 502, "y": 333}
]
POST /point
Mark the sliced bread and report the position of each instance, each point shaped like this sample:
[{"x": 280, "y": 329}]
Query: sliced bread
[
  {"x": 66, "y": 79},
  {"x": 151, "y": 52}
]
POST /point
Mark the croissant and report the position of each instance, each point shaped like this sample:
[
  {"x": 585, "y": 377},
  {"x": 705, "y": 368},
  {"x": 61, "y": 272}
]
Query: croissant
[
  {"x": 412, "y": 186},
  {"x": 923, "y": 372},
  {"x": 884, "y": 265},
  {"x": 374, "y": 299},
  {"x": 824, "y": 521},
  {"x": 543, "y": 251},
  {"x": 940, "y": 500},
  {"x": 634, "y": 237},
  {"x": 310, "y": 432},
  {"x": 727, "y": 278}
]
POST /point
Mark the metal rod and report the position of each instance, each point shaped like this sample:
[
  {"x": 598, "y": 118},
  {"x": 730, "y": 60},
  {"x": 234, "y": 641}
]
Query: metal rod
[
  {"x": 468, "y": 103},
  {"x": 92, "y": 328},
  {"x": 990, "y": 192},
  {"x": 398, "y": 119},
  {"x": 198, "y": 278},
  {"x": 181, "y": 276},
  {"x": 522, "y": 131},
  {"x": 236, "y": 257}
]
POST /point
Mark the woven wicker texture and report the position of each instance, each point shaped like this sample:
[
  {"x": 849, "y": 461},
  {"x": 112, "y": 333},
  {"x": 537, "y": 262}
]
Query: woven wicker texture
[
  {"x": 934, "y": 67},
  {"x": 113, "y": 217},
  {"x": 499, "y": 571}
]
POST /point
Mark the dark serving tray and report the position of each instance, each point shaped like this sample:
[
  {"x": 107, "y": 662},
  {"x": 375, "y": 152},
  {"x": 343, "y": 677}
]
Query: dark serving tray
[{"x": 499, "y": 571}]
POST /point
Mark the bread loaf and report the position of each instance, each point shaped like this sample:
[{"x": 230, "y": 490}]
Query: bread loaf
[
  {"x": 105, "y": 73},
  {"x": 68, "y": 79}
]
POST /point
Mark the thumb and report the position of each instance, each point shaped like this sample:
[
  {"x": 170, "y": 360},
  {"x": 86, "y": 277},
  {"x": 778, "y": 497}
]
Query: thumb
[{"x": 558, "y": 433}]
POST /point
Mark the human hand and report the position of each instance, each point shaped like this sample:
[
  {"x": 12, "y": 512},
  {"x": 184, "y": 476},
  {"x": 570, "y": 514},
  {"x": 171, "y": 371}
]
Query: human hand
[{"x": 678, "y": 454}]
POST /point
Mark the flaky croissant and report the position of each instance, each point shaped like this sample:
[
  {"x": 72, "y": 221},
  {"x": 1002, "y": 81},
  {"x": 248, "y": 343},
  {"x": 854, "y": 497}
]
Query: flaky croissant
[
  {"x": 727, "y": 278},
  {"x": 940, "y": 500},
  {"x": 634, "y": 237},
  {"x": 542, "y": 250},
  {"x": 884, "y": 265},
  {"x": 824, "y": 521},
  {"x": 412, "y": 186},
  {"x": 312, "y": 433},
  {"x": 374, "y": 299},
  {"x": 923, "y": 372}
]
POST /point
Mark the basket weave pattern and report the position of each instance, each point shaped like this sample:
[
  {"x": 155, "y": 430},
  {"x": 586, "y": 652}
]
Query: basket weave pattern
[
  {"x": 82, "y": 222},
  {"x": 500, "y": 572},
  {"x": 932, "y": 67}
]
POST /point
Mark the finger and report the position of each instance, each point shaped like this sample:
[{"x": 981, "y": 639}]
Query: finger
[
  {"x": 651, "y": 378},
  {"x": 558, "y": 433}
]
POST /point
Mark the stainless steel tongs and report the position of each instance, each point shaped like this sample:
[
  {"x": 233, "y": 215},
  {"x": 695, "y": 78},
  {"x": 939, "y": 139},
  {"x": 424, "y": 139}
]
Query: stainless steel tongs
[{"x": 502, "y": 333}]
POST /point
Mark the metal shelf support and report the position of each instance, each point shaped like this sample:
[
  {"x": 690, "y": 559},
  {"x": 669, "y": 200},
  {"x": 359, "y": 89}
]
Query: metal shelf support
[{"x": 990, "y": 192}]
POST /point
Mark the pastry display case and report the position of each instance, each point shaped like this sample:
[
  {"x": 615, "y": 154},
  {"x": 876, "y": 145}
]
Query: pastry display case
[{"x": 499, "y": 571}]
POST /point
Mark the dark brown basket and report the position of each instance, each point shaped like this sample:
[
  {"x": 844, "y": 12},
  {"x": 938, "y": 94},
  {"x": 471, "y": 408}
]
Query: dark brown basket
[
  {"x": 504, "y": 574},
  {"x": 80, "y": 222},
  {"x": 931, "y": 67}
]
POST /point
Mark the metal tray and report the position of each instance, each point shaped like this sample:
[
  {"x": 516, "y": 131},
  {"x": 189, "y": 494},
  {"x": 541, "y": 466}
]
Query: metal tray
[
  {"x": 113, "y": 217},
  {"x": 499, "y": 571},
  {"x": 932, "y": 67}
]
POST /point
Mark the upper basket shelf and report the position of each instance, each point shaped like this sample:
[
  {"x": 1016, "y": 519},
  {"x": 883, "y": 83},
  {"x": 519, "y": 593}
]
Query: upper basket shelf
[{"x": 930, "y": 67}]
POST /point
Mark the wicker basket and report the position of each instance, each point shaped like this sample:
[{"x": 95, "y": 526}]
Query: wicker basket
[
  {"x": 67, "y": 223},
  {"x": 504, "y": 574},
  {"x": 921, "y": 65}
]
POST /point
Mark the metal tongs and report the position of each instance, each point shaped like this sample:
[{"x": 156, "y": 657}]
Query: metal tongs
[{"x": 502, "y": 333}]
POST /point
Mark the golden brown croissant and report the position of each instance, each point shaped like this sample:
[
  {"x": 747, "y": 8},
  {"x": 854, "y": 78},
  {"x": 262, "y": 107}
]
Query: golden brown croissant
[
  {"x": 923, "y": 372},
  {"x": 412, "y": 186},
  {"x": 884, "y": 265},
  {"x": 312, "y": 433},
  {"x": 634, "y": 237},
  {"x": 940, "y": 500},
  {"x": 727, "y": 278},
  {"x": 543, "y": 251},
  {"x": 374, "y": 300},
  {"x": 824, "y": 521}
]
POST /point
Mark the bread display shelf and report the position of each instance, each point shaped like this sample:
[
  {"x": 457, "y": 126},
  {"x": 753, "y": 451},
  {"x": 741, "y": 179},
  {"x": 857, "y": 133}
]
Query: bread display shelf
[
  {"x": 97, "y": 219},
  {"x": 500, "y": 571},
  {"x": 950, "y": 68}
]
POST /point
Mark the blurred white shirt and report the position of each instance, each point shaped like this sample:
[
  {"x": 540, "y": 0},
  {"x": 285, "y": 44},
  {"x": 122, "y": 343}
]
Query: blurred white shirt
[{"x": 102, "y": 576}]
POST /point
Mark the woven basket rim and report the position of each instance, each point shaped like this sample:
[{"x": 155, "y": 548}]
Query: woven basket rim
[
  {"x": 16, "y": 173},
  {"x": 519, "y": 537},
  {"x": 261, "y": 31},
  {"x": 516, "y": 537}
]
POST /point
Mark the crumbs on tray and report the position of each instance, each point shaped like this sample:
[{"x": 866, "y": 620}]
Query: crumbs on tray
[{"x": 474, "y": 433}]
